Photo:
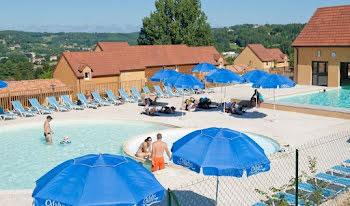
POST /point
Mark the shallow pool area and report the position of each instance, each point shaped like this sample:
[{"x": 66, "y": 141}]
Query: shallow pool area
[
  {"x": 333, "y": 98},
  {"x": 25, "y": 157},
  {"x": 170, "y": 136}
]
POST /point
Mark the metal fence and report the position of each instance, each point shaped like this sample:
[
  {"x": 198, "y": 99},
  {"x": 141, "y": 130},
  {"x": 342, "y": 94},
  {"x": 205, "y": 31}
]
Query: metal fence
[{"x": 277, "y": 186}]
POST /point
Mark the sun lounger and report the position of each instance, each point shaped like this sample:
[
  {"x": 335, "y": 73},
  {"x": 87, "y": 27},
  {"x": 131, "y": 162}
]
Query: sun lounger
[
  {"x": 182, "y": 91},
  {"x": 333, "y": 179},
  {"x": 259, "y": 204},
  {"x": 70, "y": 104},
  {"x": 99, "y": 100},
  {"x": 19, "y": 109},
  {"x": 290, "y": 198},
  {"x": 112, "y": 97},
  {"x": 7, "y": 114},
  {"x": 345, "y": 170},
  {"x": 170, "y": 92},
  {"x": 209, "y": 90},
  {"x": 307, "y": 187},
  {"x": 160, "y": 93},
  {"x": 54, "y": 104},
  {"x": 346, "y": 163},
  {"x": 136, "y": 93},
  {"x": 146, "y": 90},
  {"x": 125, "y": 96},
  {"x": 38, "y": 108},
  {"x": 85, "y": 102}
]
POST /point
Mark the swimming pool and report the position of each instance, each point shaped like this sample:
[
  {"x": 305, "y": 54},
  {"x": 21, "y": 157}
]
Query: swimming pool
[
  {"x": 332, "y": 98},
  {"x": 25, "y": 157}
]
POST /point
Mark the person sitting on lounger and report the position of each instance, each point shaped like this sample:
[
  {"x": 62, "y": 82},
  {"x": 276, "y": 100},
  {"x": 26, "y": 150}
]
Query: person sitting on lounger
[
  {"x": 145, "y": 150},
  {"x": 256, "y": 98},
  {"x": 149, "y": 110},
  {"x": 204, "y": 103},
  {"x": 167, "y": 110},
  {"x": 149, "y": 101},
  {"x": 192, "y": 106},
  {"x": 238, "y": 109}
]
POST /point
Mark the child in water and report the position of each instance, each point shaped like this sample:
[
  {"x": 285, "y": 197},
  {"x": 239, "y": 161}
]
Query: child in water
[{"x": 65, "y": 140}]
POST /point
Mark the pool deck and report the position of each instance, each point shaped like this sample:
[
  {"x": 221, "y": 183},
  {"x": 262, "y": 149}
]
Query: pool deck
[{"x": 287, "y": 128}]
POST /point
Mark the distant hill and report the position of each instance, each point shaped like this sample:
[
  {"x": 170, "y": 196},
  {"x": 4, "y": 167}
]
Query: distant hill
[
  {"x": 52, "y": 44},
  {"x": 233, "y": 38}
]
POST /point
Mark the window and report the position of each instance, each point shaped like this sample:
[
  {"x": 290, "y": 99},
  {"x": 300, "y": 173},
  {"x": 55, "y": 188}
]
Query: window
[
  {"x": 319, "y": 53},
  {"x": 87, "y": 75},
  {"x": 320, "y": 73},
  {"x": 333, "y": 54},
  {"x": 267, "y": 63}
]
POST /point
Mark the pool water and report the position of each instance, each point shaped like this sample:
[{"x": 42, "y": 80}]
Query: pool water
[
  {"x": 333, "y": 98},
  {"x": 25, "y": 157}
]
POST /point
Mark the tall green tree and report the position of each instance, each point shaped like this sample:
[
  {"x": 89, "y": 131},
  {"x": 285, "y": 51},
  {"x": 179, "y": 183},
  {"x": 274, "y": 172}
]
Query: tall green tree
[{"x": 176, "y": 22}]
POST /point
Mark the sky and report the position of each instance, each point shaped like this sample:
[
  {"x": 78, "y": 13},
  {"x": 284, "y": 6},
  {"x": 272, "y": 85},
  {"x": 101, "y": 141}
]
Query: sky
[{"x": 126, "y": 15}]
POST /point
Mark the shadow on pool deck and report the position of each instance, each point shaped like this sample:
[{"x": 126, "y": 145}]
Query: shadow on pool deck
[{"x": 250, "y": 115}]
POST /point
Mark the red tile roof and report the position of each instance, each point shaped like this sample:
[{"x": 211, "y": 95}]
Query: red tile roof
[
  {"x": 239, "y": 68},
  {"x": 26, "y": 85},
  {"x": 129, "y": 58},
  {"x": 329, "y": 26},
  {"x": 266, "y": 55},
  {"x": 111, "y": 46}
]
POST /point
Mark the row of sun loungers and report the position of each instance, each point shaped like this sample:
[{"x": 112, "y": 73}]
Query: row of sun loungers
[
  {"x": 168, "y": 92},
  {"x": 111, "y": 99},
  {"x": 335, "y": 181},
  {"x": 37, "y": 108}
]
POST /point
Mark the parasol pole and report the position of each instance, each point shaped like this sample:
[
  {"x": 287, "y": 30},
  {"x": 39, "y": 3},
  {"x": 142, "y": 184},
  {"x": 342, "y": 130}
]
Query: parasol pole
[{"x": 217, "y": 190}]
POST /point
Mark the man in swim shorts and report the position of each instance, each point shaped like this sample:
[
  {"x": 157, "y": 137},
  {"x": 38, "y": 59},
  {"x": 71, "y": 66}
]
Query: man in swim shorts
[
  {"x": 47, "y": 130},
  {"x": 158, "y": 149}
]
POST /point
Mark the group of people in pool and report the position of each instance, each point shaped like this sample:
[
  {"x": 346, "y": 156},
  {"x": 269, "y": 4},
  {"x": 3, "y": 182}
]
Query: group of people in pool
[
  {"x": 154, "y": 152},
  {"x": 48, "y": 132}
]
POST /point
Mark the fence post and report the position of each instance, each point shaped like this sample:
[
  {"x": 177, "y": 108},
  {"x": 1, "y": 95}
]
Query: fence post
[
  {"x": 296, "y": 175},
  {"x": 169, "y": 198}
]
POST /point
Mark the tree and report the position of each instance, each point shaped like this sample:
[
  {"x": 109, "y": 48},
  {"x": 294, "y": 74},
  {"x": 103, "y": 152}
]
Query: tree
[{"x": 176, "y": 22}]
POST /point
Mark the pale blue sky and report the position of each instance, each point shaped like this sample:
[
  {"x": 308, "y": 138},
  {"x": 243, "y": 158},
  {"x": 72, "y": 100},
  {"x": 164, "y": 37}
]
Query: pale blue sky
[{"x": 126, "y": 15}]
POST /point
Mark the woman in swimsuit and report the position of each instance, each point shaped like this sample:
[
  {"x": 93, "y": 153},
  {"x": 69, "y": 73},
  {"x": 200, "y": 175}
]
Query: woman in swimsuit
[{"x": 145, "y": 150}]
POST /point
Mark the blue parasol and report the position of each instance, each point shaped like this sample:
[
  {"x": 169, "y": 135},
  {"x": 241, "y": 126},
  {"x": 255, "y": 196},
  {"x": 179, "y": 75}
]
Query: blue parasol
[
  {"x": 185, "y": 81},
  {"x": 274, "y": 81},
  {"x": 164, "y": 74},
  {"x": 103, "y": 179},
  {"x": 220, "y": 152},
  {"x": 204, "y": 67},
  {"x": 3, "y": 84},
  {"x": 254, "y": 76}
]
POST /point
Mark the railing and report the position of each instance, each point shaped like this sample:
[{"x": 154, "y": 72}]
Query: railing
[
  {"x": 42, "y": 93},
  {"x": 286, "y": 71}
]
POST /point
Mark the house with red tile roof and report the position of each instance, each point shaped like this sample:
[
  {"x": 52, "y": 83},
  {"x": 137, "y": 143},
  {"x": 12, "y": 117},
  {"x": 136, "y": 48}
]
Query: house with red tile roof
[
  {"x": 121, "y": 62},
  {"x": 322, "y": 49},
  {"x": 257, "y": 56}
]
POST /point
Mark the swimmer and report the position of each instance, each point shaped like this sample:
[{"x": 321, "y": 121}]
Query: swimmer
[{"x": 65, "y": 140}]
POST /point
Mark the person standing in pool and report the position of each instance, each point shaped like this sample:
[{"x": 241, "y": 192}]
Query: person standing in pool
[
  {"x": 158, "y": 149},
  {"x": 47, "y": 130}
]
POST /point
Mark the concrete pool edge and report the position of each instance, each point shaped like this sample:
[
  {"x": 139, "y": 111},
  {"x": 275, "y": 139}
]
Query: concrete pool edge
[
  {"x": 326, "y": 111},
  {"x": 131, "y": 154}
]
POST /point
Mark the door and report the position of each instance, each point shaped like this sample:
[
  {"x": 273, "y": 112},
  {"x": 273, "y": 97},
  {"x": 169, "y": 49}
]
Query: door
[
  {"x": 320, "y": 73},
  {"x": 345, "y": 74}
]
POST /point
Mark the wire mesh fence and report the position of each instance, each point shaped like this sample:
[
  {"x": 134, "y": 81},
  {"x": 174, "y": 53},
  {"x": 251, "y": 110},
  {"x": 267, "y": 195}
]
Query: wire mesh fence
[{"x": 323, "y": 174}]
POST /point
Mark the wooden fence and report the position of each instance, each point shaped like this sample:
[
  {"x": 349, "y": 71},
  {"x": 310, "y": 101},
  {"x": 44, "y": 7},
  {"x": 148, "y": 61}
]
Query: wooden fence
[{"x": 72, "y": 90}]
